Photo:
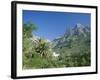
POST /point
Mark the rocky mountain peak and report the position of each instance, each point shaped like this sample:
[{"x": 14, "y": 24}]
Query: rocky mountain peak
[
  {"x": 75, "y": 32},
  {"x": 78, "y": 25},
  {"x": 79, "y": 29}
]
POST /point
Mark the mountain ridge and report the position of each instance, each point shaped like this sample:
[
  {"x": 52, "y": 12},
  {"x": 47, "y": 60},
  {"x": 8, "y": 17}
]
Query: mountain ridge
[{"x": 75, "y": 35}]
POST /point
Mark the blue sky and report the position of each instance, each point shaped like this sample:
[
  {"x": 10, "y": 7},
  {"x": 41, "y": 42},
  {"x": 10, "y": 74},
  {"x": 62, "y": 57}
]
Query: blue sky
[{"x": 54, "y": 24}]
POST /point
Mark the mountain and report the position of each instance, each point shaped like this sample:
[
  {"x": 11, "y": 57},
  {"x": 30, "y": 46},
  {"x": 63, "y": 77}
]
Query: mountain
[
  {"x": 74, "y": 40},
  {"x": 79, "y": 29}
]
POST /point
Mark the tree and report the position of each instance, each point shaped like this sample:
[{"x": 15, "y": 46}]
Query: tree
[
  {"x": 28, "y": 49},
  {"x": 43, "y": 48},
  {"x": 28, "y": 28}
]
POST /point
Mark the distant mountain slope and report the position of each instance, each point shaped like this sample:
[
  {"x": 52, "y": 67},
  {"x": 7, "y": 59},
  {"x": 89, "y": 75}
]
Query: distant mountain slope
[{"x": 76, "y": 38}]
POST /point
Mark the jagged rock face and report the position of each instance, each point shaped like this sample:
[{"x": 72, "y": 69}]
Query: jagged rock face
[
  {"x": 79, "y": 29},
  {"x": 77, "y": 34}
]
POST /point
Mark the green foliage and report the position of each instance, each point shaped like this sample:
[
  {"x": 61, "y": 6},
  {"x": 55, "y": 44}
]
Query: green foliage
[
  {"x": 76, "y": 53},
  {"x": 38, "y": 53},
  {"x": 28, "y": 28},
  {"x": 43, "y": 48}
]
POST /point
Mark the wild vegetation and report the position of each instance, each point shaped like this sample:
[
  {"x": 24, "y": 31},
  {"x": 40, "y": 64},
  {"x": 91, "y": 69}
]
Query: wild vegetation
[{"x": 70, "y": 50}]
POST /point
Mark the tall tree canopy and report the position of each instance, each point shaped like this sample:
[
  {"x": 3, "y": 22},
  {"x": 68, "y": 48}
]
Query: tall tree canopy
[{"x": 28, "y": 28}]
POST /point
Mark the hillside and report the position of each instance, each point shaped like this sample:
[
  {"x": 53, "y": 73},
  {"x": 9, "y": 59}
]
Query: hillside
[
  {"x": 74, "y": 44},
  {"x": 72, "y": 49}
]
